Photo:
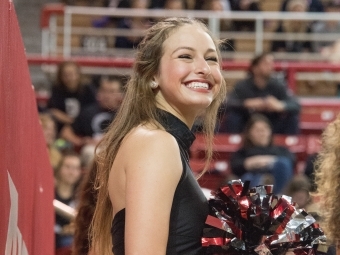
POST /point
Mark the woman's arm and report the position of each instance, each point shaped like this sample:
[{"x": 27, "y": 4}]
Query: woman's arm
[
  {"x": 153, "y": 171},
  {"x": 61, "y": 116}
]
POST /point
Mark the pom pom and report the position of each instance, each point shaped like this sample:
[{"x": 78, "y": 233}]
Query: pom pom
[{"x": 248, "y": 221}]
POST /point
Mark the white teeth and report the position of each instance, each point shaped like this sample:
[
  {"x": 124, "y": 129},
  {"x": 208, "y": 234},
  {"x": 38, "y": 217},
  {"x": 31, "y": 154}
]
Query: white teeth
[{"x": 198, "y": 85}]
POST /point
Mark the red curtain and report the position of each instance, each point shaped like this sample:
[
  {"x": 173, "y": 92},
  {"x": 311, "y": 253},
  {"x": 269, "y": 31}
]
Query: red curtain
[{"x": 26, "y": 181}]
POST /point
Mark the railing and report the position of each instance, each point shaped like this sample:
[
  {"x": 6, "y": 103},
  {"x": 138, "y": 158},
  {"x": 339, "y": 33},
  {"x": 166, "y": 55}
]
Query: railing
[{"x": 51, "y": 29}]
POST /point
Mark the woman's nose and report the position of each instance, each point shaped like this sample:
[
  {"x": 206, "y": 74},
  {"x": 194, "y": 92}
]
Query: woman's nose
[{"x": 202, "y": 67}]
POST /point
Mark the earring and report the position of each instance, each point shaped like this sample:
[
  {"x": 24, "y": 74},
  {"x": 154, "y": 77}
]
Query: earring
[{"x": 153, "y": 84}]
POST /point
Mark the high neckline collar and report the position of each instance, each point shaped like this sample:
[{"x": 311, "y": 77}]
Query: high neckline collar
[{"x": 172, "y": 124}]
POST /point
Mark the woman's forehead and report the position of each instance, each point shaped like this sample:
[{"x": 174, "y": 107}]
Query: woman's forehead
[{"x": 189, "y": 35}]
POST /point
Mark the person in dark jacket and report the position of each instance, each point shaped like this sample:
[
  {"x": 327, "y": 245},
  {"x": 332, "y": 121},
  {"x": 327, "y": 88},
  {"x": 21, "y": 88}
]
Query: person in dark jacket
[
  {"x": 259, "y": 157},
  {"x": 90, "y": 125},
  {"x": 261, "y": 93}
]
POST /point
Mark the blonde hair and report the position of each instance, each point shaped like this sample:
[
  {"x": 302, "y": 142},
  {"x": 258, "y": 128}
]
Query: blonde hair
[
  {"x": 139, "y": 106},
  {"x": 296, "y": 26},
  {"x": 46, "y": 118},
  {"x": 327, "y": 179}
]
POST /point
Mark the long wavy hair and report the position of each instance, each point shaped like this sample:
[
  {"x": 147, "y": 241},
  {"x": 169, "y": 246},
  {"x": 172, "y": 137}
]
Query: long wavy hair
[
  {"x": 327, "y": 179},
  {"x": 87, "y": 195},
  {"x": 139, "y": 106}
]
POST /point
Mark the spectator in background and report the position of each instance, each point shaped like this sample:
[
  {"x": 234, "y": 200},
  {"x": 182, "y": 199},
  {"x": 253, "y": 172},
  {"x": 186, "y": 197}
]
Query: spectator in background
[
  {"x": 312, "y": 5},
  {"x": 135, "y": 23},
  {"x": 174, "y": 5},
  {"x": 298, "y": 189},
  {"x": 67, "y": 176},
  {"x": 200, "y": 4},
  {"x": 261, "y": 93},
  {"x": 91, "y": 123},
  {"x": 259, "y": 156},
  {"x": 49, "y": 130},
  {"x": 328, "y": 26},
  {"x": 69, "y": 95},
  {"x": 293, "y": 26},
  {"x": 244, "y": 5}
]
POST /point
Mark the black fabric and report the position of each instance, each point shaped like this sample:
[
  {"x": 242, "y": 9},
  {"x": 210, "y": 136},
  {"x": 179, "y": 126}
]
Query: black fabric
[
  {"x": 60, "y": 220},
  {"x": 236, "y": 115},
  {"x": 246, "y": 89},
  {"x": 59, "y": 95},
  {"x": 189, "y": 208},
  {"x": 238, "y": 158},
  {"x": 71, "y": 103},
  {"x": 93, "y": 121},
  {"x": 62, "y": 240}
]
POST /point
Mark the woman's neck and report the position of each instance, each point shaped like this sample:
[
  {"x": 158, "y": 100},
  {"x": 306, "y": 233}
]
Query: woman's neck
[
  {"x": 65, "y": 190},
  {"x": 187, "y": 118}
]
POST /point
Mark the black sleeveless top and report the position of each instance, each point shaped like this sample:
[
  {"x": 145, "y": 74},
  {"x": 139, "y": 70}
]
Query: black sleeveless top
[{"x": 189, "y": 207}]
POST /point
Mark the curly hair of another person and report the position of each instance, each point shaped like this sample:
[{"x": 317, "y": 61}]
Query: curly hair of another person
[{"x": 327, "y": 179}]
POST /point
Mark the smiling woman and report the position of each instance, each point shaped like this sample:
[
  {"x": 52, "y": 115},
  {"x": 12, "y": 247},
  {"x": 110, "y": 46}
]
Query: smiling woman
[
  {"x": 189, "y": 76},
  {"x": 147, "y": 192}
]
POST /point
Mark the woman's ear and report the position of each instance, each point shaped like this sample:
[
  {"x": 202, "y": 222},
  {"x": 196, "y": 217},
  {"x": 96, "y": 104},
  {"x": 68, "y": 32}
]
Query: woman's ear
[{"x": 154, "y": 82}]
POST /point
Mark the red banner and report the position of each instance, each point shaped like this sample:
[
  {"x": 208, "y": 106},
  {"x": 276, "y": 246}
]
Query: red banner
[{"x": 26, "y": 180}]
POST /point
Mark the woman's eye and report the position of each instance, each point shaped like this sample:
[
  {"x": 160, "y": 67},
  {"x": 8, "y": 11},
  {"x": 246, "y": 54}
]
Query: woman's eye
[
  {"x": 214, "y": 59},
  {"x": 185, "y": 56}
]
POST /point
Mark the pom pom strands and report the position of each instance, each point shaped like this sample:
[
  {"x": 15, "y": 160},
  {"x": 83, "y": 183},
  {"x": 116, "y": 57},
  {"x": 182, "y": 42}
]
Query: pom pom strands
[{"x": 254, "y": 221}]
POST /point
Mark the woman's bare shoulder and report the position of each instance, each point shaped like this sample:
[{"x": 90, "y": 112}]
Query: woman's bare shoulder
[
  {"x": 150, "y": 135},
  {"x": 147, "y": 143}
]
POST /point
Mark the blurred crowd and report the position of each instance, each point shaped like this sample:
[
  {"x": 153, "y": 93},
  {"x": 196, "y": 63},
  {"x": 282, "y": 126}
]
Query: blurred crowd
[{"x": 79, "y": 108}]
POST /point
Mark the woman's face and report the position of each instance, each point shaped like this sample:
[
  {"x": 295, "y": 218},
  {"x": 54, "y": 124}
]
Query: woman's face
[
  {"x": 174, "y": 5},
  {"x": 49, "y": 132},
  {"x": 70, "y": 171},
  {"x": 265, "y": 67},
  {"x": 71, "y": 77},
  {"x": 216, "y": 5},
  {"x": 189, "y": 75},
  {"x": 260, "y": 133}
]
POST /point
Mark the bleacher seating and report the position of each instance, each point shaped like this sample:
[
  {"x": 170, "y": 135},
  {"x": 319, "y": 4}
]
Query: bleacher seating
[
  {"x": 296, "y": 144},
  {"x": 322, "y": 88},
  {"x": 224, "y": 145},
  {"x": 316, "y": 114},
  {"x": 313, "y": 144}
]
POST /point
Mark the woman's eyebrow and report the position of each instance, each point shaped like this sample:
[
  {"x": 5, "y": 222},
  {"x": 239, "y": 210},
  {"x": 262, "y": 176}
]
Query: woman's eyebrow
[
  {"x": 183, "y": 47},
  {"x": 191, "y": 49}
]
